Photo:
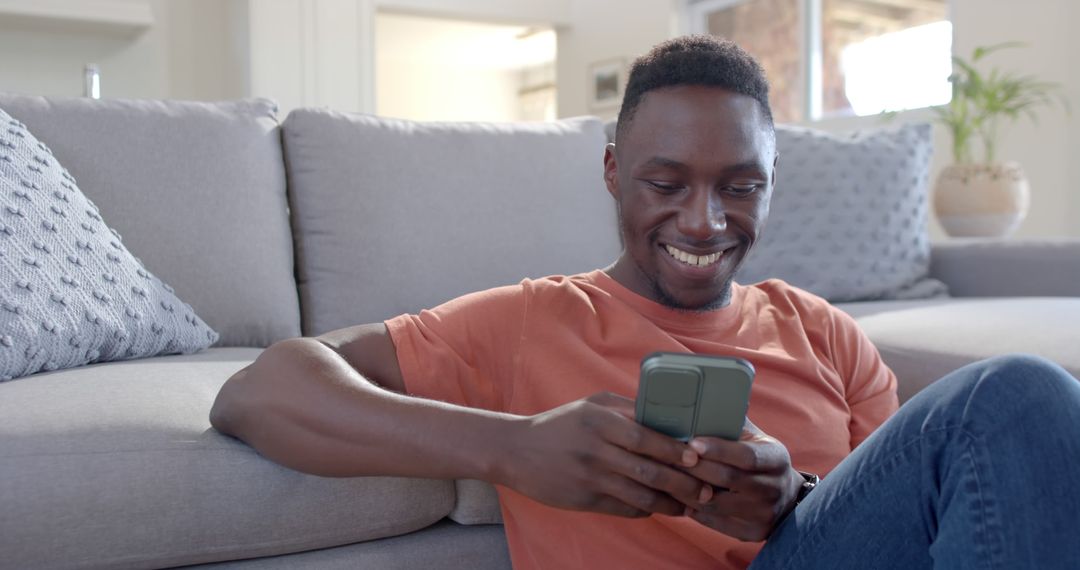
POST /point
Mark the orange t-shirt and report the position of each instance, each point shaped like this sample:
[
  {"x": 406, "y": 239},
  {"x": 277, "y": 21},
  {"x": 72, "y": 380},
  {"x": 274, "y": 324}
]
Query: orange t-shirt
[{"x": 820, "y": 388}]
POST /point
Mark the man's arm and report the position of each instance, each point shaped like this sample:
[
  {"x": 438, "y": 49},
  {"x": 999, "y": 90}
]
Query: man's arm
[
  {"x": 305, "y": 405},
  {"x": 333, "y": 406}
]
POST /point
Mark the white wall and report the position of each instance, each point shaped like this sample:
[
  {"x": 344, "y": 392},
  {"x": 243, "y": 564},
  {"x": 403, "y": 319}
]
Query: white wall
[
  {"x": 47, "y": 57},
  {"x": 1072, "y": 186},
  {"x": 311, "y": 53},
  {"x": 186, "y": 54},
  {"x": 207, "y": 53}
]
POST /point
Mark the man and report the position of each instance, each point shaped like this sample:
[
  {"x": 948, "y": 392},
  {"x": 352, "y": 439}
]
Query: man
[{"x": 530, "y": 386}]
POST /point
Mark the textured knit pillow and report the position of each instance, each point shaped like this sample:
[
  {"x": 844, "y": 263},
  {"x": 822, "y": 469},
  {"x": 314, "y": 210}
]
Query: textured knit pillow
[
  {"x": 848, "y": 219},
  {"x": 70, "y": 292}
]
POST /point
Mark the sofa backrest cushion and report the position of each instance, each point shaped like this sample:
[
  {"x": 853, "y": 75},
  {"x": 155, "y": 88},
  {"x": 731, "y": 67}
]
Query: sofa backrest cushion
[
  {"x": 198, "y": 192},
  {"x": 393, "y": 216}
]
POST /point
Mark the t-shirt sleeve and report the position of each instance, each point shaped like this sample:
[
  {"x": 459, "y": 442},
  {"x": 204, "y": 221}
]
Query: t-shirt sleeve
[
  {"x": 463, "y": 351},
  {"x": 870, "y": 386}
]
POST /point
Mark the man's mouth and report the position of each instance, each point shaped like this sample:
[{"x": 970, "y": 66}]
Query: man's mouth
[{"x": 694, "y": 260}]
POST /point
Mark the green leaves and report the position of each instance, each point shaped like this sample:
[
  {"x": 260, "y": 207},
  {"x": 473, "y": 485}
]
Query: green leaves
[
  {"x": 982, "y": 51},
  {"x": 980, "y": 100}
]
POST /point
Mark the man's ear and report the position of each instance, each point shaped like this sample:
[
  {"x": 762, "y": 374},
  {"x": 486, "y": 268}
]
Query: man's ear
[
  {"x": 772, "y": 175},
  {"x": 611, "y": 171}
]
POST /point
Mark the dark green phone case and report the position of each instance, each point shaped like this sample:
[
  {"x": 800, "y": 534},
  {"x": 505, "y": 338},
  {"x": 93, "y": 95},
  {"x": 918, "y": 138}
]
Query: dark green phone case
[{"x": 688, "y": 395}]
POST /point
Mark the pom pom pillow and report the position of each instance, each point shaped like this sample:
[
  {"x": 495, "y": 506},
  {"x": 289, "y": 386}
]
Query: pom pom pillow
[{"x": 70, "y": 292}]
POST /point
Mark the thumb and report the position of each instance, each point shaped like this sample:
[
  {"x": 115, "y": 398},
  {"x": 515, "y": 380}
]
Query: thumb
[{"x": 750, "y": 430}]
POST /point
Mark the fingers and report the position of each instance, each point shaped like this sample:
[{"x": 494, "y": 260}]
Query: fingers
[
  {"x": 683, "y": 487},
  {"x": 643, "y": 457},
  {"x": 749, "y": 516},
  {"x": 741, "y": 529},
  {"x": 756, "y": 452},
  {"x": 638, "y": 498},
  {"x": 639, "y": 439},
  {"x": 719, "y": 475},
  {"x": 739, "y": 505},
  {"x": 766, "y": 486},
  {"x": 737, "y": 515}
]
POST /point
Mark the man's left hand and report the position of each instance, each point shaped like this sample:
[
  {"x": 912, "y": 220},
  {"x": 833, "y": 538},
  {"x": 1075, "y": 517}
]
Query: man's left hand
[{"x": 755, "y": 484}]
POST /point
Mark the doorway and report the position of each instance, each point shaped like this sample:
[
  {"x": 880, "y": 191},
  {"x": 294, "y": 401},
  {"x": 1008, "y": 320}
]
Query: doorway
[{"x": 437, "y": 69}]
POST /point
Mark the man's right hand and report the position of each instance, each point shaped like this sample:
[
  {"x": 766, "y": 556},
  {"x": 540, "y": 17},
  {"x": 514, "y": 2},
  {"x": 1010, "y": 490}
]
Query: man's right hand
[{"x": 591, "y": 455}]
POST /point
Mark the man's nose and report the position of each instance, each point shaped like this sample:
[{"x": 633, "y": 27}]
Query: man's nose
[{"x": 703, "y": 215}]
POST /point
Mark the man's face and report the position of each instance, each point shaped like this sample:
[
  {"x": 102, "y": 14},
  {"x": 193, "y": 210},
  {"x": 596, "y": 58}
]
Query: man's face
[{"x": 692, "y": 175}]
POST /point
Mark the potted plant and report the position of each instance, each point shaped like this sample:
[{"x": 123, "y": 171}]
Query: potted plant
[{"x": 979, "y": 195}]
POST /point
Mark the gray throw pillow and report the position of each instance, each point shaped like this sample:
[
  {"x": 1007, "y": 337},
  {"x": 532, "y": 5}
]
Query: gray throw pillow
[
  {"x": 848, "y": 219},
  {"x": 70, "y": 292}
]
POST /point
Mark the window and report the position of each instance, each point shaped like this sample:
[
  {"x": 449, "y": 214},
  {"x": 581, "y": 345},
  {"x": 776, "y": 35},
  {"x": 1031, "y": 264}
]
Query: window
[{"x": 830, "y": 58}]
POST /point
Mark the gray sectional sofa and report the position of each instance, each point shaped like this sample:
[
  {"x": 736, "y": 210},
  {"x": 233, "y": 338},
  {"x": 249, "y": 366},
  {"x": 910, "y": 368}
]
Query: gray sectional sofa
[{"x": 275, "y": 230}]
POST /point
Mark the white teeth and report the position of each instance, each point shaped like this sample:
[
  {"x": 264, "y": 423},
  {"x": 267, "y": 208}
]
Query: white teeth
[{"x": 695, "y": 260}]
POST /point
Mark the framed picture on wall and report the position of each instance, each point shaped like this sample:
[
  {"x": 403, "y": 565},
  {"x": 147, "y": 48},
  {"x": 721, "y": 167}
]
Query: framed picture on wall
[{"x": 606, "y": 81}]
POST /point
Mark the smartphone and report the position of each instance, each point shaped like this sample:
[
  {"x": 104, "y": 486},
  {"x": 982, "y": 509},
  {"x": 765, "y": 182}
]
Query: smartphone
[{"x": 689, "y": 395}]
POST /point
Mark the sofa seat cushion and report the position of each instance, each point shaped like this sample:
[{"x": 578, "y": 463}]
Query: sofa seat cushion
[
  {"x": 198, "y": 192},
  {"x": 924, "y": 340},
  {"x": 116, "y": 466},
  {"x": 477, "y": 502},
  {"x": 443, "y": 546}
]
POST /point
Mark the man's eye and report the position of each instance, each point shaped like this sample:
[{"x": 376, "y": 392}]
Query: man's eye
[
  {"x": 742, "y": 189},
  {"x": 664, "y": 187}
]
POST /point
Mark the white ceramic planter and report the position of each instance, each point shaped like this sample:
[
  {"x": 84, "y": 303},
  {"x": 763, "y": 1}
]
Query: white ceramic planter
[{"x": 981, "y": 200}]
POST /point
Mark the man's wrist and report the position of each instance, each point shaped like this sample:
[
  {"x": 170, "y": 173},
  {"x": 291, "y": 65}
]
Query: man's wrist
[
  {"x": 803, "y": 483},
  {"x": 494, "y": 462},
  {"x": 809, "y": 483}
]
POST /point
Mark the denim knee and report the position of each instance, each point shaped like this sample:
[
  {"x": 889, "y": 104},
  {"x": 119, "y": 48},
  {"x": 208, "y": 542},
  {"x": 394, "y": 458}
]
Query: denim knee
[{"x": 1022, "y": 382}]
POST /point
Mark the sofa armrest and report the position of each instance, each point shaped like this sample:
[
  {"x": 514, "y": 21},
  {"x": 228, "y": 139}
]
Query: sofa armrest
[{"x": 1008, "y": 268}]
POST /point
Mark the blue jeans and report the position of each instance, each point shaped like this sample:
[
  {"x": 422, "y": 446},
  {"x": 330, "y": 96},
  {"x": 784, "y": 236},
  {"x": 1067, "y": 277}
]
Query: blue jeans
[{"x": 979, "y": 470}]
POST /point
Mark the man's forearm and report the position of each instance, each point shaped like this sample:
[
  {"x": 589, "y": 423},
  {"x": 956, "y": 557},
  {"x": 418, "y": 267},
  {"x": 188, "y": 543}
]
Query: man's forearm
[{"x": 303, "y": 406}]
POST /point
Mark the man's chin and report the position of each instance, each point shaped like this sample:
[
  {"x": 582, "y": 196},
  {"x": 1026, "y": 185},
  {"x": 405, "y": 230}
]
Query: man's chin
[{"x": 695, "y": 301}]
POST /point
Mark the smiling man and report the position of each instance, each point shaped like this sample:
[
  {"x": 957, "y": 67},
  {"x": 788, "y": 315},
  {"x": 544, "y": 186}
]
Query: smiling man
[
  {"x": 530, "y": 386},
  {"x": 692, "y": 182}
]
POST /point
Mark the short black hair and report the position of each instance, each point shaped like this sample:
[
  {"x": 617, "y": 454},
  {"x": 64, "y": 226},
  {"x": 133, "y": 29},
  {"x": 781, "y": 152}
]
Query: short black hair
[{"x": 694, "y": 60}]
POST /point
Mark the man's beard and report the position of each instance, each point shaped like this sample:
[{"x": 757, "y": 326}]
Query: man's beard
[{"x": 662, "y": 296}]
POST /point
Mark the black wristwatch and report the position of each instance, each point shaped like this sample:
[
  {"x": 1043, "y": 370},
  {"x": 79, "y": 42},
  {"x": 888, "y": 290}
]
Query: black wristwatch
[{"x": 809, "y": 482}]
